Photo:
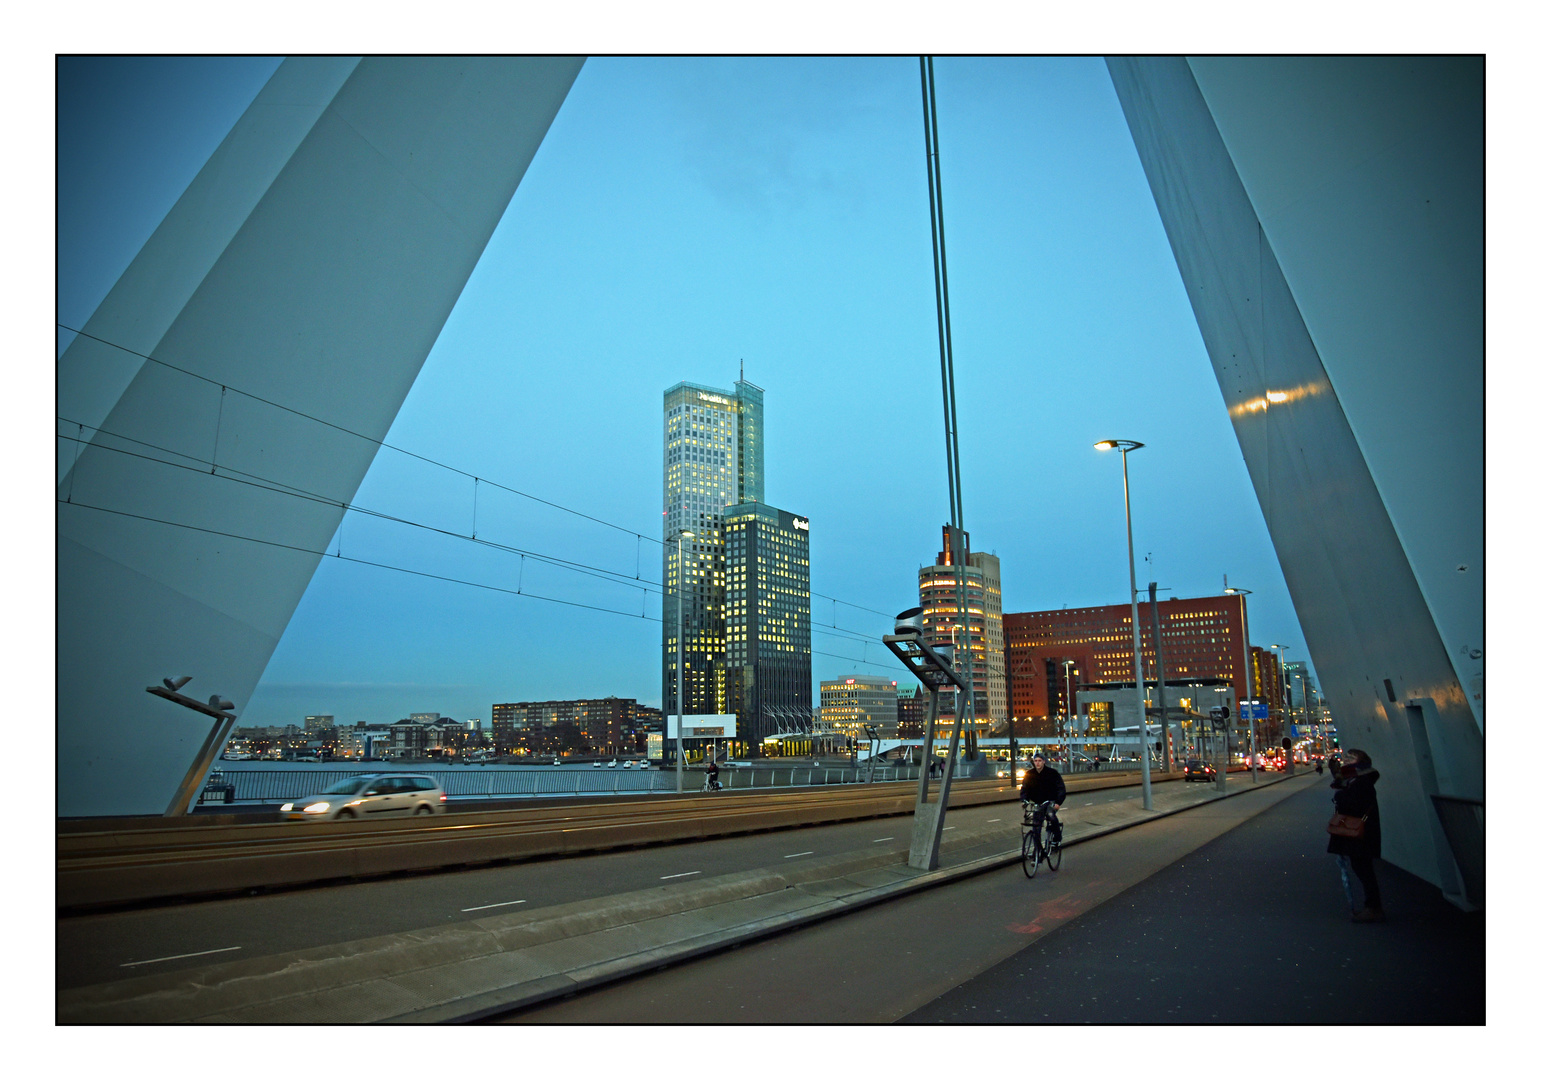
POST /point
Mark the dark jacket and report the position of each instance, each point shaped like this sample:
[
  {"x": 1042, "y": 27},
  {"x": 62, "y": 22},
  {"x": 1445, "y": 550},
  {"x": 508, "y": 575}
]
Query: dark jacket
[
  {"x": 1355, "y": 797},
  {"x": 1046, "y": 786}
]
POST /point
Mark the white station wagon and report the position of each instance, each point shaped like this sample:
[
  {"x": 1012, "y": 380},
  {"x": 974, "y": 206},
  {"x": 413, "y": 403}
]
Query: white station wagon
[{"x": 369, "y": 797}]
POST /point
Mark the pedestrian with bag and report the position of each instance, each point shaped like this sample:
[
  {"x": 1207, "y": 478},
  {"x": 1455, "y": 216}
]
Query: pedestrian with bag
[{"x": 1354, "y": 831}]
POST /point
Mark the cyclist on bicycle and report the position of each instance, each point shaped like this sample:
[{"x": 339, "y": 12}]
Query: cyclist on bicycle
[
  {"x": 1044, "y": 784},
  {"x": 711, "y": 777}
]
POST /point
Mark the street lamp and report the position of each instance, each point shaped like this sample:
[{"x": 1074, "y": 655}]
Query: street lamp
[
  {"x": 1069, "y": 715},
  {"x": 679, "y": 659},
  {"x": 1123, "y": 446},
  {"x": 218, "y": 707},
  {"x": 1246, "y": 669}
]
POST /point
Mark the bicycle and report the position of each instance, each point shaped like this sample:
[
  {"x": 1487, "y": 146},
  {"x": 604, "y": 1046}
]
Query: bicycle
[{"x": 1035, "y": 849}]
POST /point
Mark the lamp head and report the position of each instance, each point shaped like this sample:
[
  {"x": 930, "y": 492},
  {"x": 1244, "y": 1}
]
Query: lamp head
[{"x": 1122, "y": 445}]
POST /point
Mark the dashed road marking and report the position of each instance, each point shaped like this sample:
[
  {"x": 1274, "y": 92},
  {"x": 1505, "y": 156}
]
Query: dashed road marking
[
  {"x": 799, "y": 855},
  {"x": 484, "y": 907},
  {"x": 687, "y": 873},
  {"x": 881, "y": 839},
  {"x": 180, "y": 956}
]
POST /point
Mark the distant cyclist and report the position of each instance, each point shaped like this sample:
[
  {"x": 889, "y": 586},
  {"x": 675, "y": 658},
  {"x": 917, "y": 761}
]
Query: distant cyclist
[
  {"x": 1044, "y": 784},
  {"x": 711, "y": 777}
]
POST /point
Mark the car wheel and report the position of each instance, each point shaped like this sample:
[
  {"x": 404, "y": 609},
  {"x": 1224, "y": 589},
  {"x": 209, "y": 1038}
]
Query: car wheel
[
  {"x": 345, "y": 814},
  {"x": 422, "y": 808}
]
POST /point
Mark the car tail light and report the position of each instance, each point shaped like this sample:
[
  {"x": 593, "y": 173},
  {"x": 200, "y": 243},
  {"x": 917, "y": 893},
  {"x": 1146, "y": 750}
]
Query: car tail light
[{"x": 443, "y": 797}]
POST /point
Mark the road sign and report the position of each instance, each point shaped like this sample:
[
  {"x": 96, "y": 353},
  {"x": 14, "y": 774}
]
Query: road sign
[{"x": 1253, "y": 710}]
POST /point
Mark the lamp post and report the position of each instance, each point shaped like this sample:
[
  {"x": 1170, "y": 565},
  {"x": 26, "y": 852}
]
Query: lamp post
[
  {"x": 1069, "y": 714},
  {"x": 1246, "y": 669},
  {"x": 679, "y": 660},
  {"x": 1123, "y": 446},
  {"x": 221, "y": 709}
]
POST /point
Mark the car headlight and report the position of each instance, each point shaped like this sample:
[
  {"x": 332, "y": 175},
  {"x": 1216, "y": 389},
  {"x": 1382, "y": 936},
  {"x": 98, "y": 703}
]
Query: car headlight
[
  {"x": 318, "y": 808},
  {"x": 287, "y": 807}
]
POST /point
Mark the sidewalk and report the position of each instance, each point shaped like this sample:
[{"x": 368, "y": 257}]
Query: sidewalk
[{"x": 493, "y": 964}]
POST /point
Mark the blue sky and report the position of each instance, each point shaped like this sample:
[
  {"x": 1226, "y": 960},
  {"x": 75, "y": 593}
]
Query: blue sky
[{"x": 684, "y": 214}]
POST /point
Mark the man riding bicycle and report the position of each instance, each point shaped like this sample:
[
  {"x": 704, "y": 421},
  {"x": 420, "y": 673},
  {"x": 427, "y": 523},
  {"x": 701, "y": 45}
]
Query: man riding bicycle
[{"x": 1044, "y": 784}]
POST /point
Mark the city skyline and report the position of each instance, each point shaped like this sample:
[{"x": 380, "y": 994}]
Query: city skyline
[{"x": 719, "y": 210}]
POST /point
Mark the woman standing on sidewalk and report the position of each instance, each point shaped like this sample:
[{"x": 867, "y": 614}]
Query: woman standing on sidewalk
[{"x": 1355, "y": 797}]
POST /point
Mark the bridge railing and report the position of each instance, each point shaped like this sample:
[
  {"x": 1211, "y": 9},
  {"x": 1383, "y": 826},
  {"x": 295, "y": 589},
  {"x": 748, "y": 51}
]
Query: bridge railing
[{"x": 464, "y": 785}]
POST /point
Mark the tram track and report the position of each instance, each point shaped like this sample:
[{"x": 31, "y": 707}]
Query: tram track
[{"x": 147, "y": 863}]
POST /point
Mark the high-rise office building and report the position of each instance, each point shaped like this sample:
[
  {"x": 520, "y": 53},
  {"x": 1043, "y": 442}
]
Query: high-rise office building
[
  {"x": 912, "y": 705},
  {"x": 856, "y": 702},
  {"x": 714, "y": 458},
  {"x": 768, "y": 656},
  {"x": 744, "y": 605},
  {"x": 984, "y": 641}
]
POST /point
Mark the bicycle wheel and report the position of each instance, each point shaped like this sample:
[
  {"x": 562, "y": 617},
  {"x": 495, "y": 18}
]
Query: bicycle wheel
[
  {"x": 1054, "y": 854},
  {"x": 1030, "y": 853}
]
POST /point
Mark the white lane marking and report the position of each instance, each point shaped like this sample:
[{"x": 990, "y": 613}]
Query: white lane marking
[
  {"x": 484, "y": 907},
  {"x": 946, "y": 827},
  {"x": 990, "y": 820},
  {"x": 799, "y": 855},
  {"x": 688, "y": 873},
  {"x": 881, "y": 839},
  {"x": 180, "y": 956}
]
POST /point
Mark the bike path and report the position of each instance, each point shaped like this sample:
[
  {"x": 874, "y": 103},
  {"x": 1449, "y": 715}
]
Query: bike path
[
  {"x": 1252, "y": 928},
  {"x": 880, "y": 964}
]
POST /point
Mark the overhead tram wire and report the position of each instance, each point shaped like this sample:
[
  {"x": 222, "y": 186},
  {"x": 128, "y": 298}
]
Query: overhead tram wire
[
  {"x": 521, "y": 592},
  {"x": 358, "y": 435},
  {"x": 477, "y": 480},
  {"x": 235, "y": 476},
  {"x": 262, "y": 483}
]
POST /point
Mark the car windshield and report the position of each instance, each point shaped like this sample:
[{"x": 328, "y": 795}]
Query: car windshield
[{"x": 345, "y": 787}]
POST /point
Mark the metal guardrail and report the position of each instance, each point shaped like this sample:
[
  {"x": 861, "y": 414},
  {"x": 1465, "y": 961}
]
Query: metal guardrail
[
  {"x": 491, "y": 782},
  {"x": 282, "y": 785}
]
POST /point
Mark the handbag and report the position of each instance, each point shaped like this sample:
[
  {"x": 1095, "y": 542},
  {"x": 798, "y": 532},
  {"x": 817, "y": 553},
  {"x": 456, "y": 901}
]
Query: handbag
[{"x": 1344, "y": 825}]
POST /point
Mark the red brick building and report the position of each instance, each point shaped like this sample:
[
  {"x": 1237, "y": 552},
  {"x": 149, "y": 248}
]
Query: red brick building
[{"x": 1200, "y": 639}]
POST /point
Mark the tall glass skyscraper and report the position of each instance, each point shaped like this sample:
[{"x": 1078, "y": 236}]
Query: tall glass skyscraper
[
  {"x": 768, "y": 657},
  {"x": 714, "y": 468},
  {"x": 714, "y": 458}
]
